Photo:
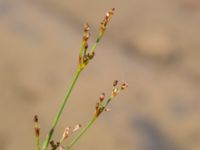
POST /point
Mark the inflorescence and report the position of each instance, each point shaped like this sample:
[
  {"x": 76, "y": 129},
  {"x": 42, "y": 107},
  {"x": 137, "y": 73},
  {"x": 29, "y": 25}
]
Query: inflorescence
[
  {"x": 102, "y": 104},
  {"x": 85, "y": 56}
]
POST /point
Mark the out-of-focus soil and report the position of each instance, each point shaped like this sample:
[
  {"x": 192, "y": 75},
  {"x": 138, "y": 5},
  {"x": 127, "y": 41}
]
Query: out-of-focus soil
[{"x": 154, "y": 45}]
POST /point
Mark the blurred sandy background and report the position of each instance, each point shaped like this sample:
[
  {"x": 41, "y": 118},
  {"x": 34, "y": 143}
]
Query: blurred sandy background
[{"x": 152, "y": 44}]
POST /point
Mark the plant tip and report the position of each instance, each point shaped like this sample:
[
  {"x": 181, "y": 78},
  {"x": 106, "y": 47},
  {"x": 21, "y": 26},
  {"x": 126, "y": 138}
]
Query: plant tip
[
  {"x": 86, "y": 27},
  {"x": 35, "y": 118},
  {"x": 124, "y": 85},
  {"x": 115, "y": 83},
  {"x": 106, "y": 19}
]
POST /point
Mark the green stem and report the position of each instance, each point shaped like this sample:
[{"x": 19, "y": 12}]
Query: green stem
[
  {"x": 37, "y": 143},
  {"x": 90, "y": 123},
  {"x": 97, "y": 41},
  {"x": 107, "y": 102},
  {"x": 56, "y": 119}
]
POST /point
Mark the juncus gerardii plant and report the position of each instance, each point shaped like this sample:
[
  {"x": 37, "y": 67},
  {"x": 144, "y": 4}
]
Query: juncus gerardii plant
[{"x": 85, "y": 56}]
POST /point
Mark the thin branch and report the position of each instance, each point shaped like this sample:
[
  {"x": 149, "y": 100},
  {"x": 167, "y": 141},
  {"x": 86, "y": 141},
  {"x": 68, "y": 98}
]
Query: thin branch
[{"x": 57, "y": 118}]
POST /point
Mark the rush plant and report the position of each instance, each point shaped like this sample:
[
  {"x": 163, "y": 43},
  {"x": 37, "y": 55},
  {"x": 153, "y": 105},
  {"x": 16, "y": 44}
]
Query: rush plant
[{"x": 85, "y": 57}]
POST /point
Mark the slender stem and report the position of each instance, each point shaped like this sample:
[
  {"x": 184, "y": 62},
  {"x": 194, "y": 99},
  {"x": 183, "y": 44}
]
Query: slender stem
[
  {"x": 56, "y": 119},
  {"x": 107, "y": 102},
  {"x": 37, "y": 143},
  {"x": 90, "y": 123},
  {"x": 80, "y": 68},
  {"x": 97, "y": 41},
  {"x": 94, "y": 47}
]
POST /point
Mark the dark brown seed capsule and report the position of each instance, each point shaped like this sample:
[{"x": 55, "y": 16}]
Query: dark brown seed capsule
[
  {"x": 85, "y": 59},
  {"x": 124, "y": 85},
  {"x": 86, "y": 46},
  {"x": 97, "y": 112},
  {"x": 102, "y": 97},
  {"x": 37, "y": 131},
  {"x": 115, "y": 83},
  {"x": 52, "y": 143},
  {"x": 35, "y": 118},
  {"x": 97, "y": 106},
  {"x": 86, "y": 27},
  {"x": 91, "y": 55}
]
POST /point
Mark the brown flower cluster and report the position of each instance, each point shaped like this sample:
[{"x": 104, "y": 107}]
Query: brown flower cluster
[
  {"x": 67, "y": 132},
  {"x": 101, "y": 105},
  {"x": 106, "y": 19},
  {"x": 85, "y": 56},
  {"x": 117, "y": 89}
]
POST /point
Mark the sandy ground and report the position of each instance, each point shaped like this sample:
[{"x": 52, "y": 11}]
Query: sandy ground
[{"x": 154, "y": 45}]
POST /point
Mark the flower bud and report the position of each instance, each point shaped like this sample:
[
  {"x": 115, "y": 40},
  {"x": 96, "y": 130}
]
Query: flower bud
[
  {"x": 115, "y": 83},
  {"x": 76, "y": 128},
  {"x": 124, "y": 85},
  {"x": 102, "y": 97},
  {"x": 66, "y": 133}
]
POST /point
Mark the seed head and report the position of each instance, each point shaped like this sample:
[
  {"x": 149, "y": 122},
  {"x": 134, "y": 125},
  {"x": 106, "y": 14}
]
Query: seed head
[
  {"x": 77, "y": 127},
  {"x": 86, "y": 27},
  {"x": 90, "y": 55},
  {"x": 106, "y": 19},
  {"x": 124, "y": 85},
  {"x": 85, "y": 59},
  {"x": 98, "y": 110},
  {"x": 115, "y": 83},
  {"x": 102, "y": 97},
  {"x": 86, "y": 47},
  {"x": 86, "y": 34},
  {"x": 97, "y": 106},
  {"x": 86, "y": 37},
  {"x": 52, "y": 143},
  {"x": 37, "y": 128},
  {"x": 66, "y": 133},
  {"x": 35, "y": 118},
  {"x": 115, "y": 91}
]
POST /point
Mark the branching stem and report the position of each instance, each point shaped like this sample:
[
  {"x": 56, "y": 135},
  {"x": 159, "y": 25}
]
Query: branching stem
[
  {"x": 58, "y": 115},
  {"x": 89, "y": 124},
  {"x": 83, "y": 61}
]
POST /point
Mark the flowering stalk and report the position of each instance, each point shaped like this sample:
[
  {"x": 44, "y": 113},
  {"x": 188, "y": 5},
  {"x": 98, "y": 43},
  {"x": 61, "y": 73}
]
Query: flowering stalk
[
  {"x": 102, "y": 28},
  {"x": 37, "y": 132},
  {"x": 84, "y": 59},
  {"x": 100, "y": 107}
]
